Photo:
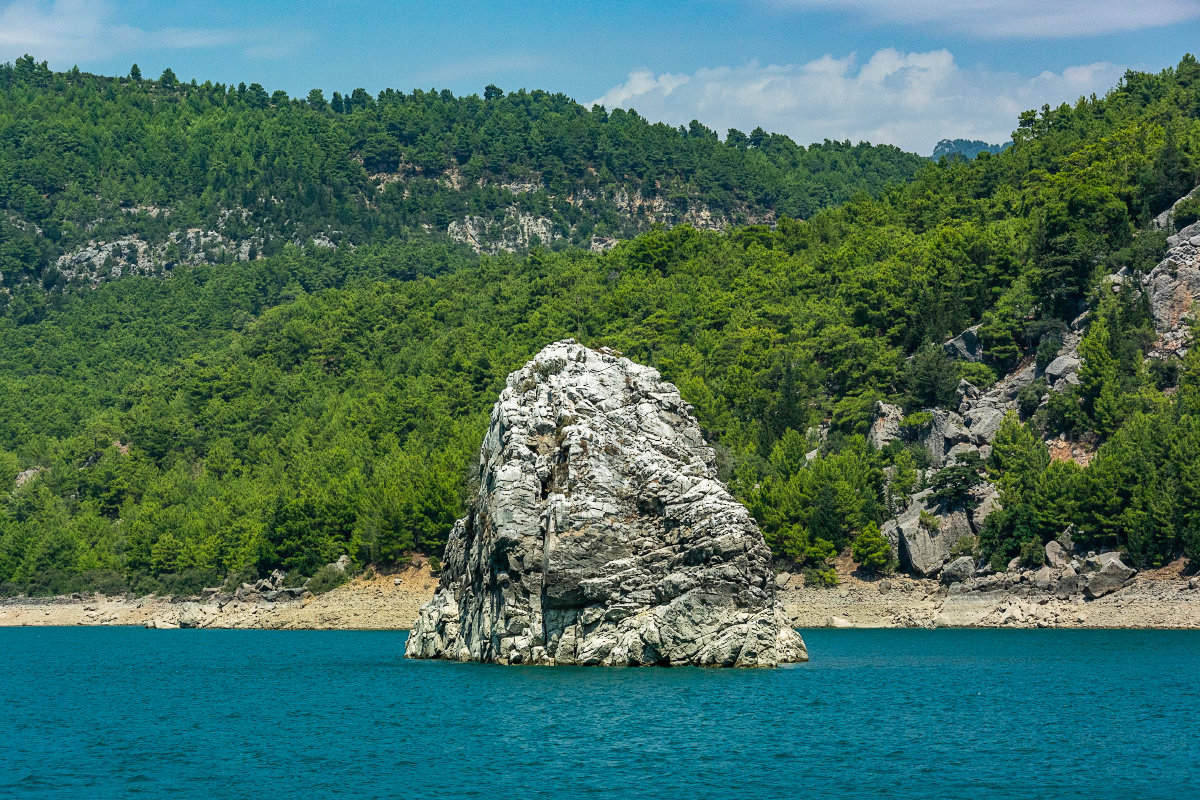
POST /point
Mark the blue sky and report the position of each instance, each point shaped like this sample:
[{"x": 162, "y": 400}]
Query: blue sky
[{"x": 906, "y": 73}]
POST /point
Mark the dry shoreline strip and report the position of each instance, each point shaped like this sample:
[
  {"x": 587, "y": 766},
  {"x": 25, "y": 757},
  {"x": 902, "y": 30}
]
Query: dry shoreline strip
[{"x": 1157, "y": 599}]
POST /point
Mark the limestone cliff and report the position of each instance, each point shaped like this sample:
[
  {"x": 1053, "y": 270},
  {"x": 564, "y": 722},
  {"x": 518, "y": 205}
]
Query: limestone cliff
[{"x": 600, "y": 535}]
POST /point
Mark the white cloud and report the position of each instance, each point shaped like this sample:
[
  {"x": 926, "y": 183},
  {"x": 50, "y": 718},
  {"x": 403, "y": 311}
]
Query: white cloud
[
  {"x": 908, "y": 99},
  {"x": 75, "y": 31},
  {"x": 642, "y": 82},
  {"x": 1021, "y": 19}
]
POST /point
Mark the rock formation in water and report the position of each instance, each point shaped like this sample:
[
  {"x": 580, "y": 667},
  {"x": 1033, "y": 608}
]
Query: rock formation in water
[{"x": 600, "y": 535}]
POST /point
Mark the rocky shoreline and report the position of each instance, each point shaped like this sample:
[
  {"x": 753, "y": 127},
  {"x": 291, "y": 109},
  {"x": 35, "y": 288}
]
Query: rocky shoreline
[
  {"x": 371, "y": 602},
  {"x": 1159, "y": 599}
]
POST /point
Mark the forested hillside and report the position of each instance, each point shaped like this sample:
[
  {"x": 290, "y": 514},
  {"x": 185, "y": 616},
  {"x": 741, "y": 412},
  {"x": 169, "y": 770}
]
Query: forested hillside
[
  {"x": 104, "y": 176},
  {"x": 162, "y": 432}
]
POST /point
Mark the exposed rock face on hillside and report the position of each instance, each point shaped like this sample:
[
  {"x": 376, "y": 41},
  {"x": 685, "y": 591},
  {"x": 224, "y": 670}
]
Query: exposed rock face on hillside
[
  {"x": 1173, "y": 288},
  {"x": 600, "y": 535},
  {"x": 924, "y": 538}
]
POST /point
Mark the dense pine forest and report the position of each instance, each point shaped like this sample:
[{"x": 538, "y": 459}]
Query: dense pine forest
[
  {"x": 278, "y": 408},
  {"x": 103, "y": 176}
]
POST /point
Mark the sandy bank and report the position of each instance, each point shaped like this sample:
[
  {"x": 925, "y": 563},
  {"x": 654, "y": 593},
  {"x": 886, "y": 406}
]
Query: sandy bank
[
  {"x": 387, "y": 602},
  {"x": 1157, "y": 599}
]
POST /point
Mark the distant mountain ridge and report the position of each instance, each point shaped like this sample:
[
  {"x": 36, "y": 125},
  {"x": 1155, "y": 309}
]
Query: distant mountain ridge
[
  {"x": 105, "y": 176},
  {"x": 966, "y": 148}
]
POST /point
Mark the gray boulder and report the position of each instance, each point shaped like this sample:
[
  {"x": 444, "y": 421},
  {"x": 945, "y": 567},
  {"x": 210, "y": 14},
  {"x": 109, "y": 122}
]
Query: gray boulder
[
  {"x": 600, "y": 535},
  {"x": 1044, "y": 578},
  {"x": 1066, "y": 539},
  {"x": 982, "y": 423},
  {"x": 920, "y": 548},
  {"x": 1069, "y": 585},
  {"x": 958, "y": 570},
  {"x": 190, "y": 616},
  {"x": 1109, "y": 578},
  {"x": 965, "y": 346},
  {"x": 886, "y": 427},
  {"x": 946, "y": 430},
  {"x": 1056, "y": 556},
  {"x": 989, "y": 501},
  {"x": 1061, "y": 367}
]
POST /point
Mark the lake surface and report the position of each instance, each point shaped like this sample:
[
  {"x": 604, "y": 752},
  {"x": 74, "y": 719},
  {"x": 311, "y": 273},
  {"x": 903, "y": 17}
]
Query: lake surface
[{"x": 126, "y": 712}]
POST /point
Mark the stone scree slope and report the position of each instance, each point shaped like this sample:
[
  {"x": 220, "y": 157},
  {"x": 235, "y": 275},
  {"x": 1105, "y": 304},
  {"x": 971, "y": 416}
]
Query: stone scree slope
[{"x": 600, "y": 535}]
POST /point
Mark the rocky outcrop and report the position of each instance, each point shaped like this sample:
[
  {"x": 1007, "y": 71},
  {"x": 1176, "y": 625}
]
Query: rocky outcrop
[
  {"x": 517, "y": 231},
  {"x": 1166, "y": 220},
  {"x": 97, "y": 261},
  {"x": 26, "y": 476},
  {"x": 600, "y": 535},
  {"x": 922, "y": 538},
  {"x": 1172, "y": 288},
  {"x": 947, "y": 430},
  {"x": 965, "y": 346},
  {"x": 886, "y": 427}
]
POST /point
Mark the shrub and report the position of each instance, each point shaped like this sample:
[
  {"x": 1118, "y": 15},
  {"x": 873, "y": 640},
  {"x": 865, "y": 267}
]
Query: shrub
[
  {"x": 916, "y": 422},
  {"x": 872, "y": 551},
  {"x": 977, "y": 373},
  {"x": 929, "y": 521},
  {"x": 1065, "y": 414},
  {"x": 1033, "y": 553},
  {"x": 1187, "y": 212},
  {"x": 326, "y": 579},
  {"x": 435, "y": 565},
  {"x": 1164, "y": 374},
  {"x": 963, "y": 547},
  {"x": 1048, "y": 351},
  {"x": 247, "y": 574},
  {"x": 1029, "y": 398},
  {"x": 189, "y": 582},
  {"x": 142, "y": 584},
  {"x": 293, "y": 579},
  {"x": 824, "y": 577},
  {"x": 107, "y": 582},
  {"x": 820, "y": 551}
]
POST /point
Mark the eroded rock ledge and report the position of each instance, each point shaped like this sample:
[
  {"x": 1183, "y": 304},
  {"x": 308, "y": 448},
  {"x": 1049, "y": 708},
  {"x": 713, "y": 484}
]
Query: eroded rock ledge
[{"x": 600, "y": 535}]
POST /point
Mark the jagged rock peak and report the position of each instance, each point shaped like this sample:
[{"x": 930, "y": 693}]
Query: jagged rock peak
[{"x": 600, "y": 534}]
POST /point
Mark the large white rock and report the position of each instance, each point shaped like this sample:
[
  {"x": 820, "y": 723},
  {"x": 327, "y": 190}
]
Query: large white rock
[{"x": 600, "y": 534}]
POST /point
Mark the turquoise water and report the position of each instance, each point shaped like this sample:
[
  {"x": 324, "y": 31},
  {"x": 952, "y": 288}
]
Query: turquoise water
[{"x": 126, "y": 712}]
